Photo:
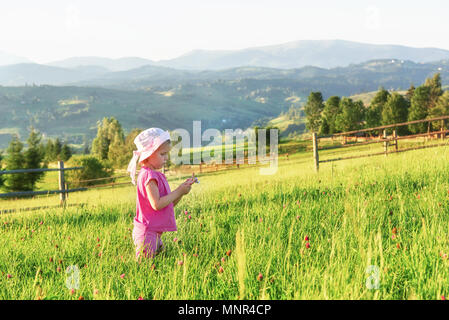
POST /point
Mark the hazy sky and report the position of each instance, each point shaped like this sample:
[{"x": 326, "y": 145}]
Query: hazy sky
[{"x": 49, "y": 30}]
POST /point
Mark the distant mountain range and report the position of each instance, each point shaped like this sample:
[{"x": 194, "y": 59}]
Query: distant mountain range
[{"x": 291, "y": 55}]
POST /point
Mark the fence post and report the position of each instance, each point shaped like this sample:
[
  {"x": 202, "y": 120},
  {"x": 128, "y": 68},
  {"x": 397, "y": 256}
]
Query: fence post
[
  {"x": 315, "y": 151},
  {"x": 395, "y": 137},
  {"x": 385, "y": 142},
  {"x": 442, "y": 130},
  {"x": 61, "y": 182}
]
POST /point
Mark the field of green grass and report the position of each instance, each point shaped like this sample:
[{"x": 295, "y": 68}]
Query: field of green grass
[{"x": 376, "y": 228}]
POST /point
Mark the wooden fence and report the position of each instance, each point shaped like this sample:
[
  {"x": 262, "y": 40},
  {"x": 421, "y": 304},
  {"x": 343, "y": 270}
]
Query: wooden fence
[
  {"x": 63, "y": 190},
  {"x": 383, "y": 139}
]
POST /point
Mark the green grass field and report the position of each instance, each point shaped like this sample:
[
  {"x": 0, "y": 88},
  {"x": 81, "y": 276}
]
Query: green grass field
[{"x": 378, "y": 228}]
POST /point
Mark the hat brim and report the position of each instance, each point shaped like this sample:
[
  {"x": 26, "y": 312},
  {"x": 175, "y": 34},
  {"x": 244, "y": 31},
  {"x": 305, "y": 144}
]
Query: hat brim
[{"x": 147, "y": 153}]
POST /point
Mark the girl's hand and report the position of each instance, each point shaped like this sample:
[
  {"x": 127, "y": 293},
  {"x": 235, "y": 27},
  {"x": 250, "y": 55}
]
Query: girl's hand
[{"x": 186, "y": 186}]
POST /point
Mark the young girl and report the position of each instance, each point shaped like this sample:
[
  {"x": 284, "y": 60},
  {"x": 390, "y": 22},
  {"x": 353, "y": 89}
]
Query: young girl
[{"x": 155, "y": 201}]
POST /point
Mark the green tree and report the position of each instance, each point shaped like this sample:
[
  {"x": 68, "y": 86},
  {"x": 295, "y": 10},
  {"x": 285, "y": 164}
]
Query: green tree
[
  {"x": 375, "y": 109},
  {"x": 436, "y": 90},
  {"x": 15, "y": 160},
  {"x": 419, "y": 109},
  {"x": 106, "y": 131},
  {"x": 410, "y": 93},
  {"x": 313, "y": 109},
  {"x": 329, "y": 115},
  {"x": 351, "y": 115},
  {"x": 57, "y": 148},
  {"x": 66, "y": 152},
  {"x": 2, "y": 181},
  {"x": 49, "y": 151},
  {"x": 33, "y": 158},
  {"x": 440, "y": 109},
  {"x": 116, "y": 153},
  {"x": 395, "y": 110}
]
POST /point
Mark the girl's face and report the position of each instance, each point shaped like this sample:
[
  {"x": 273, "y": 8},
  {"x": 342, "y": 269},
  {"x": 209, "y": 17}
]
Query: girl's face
[{"x": 159, "y": 157}]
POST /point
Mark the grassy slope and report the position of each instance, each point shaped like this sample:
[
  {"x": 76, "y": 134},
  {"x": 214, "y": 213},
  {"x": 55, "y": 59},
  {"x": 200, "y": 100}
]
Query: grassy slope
[{"x": 348, "y": 211}]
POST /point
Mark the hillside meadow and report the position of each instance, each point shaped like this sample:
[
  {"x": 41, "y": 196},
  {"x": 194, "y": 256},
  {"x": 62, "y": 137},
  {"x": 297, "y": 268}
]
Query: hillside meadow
[{"x": 370, "y": 228}]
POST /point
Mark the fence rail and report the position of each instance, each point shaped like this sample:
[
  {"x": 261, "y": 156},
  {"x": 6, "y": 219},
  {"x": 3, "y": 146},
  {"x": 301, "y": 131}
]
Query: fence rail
[
  {"x": 63, "y": 191},
  {"x": 384, "y": 139}
]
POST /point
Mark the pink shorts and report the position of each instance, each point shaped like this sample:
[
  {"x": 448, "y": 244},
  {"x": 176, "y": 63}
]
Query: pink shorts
[{"x": 146, "y": 241}]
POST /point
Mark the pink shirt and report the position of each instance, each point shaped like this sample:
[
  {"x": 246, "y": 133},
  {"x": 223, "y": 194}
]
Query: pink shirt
[{"x": 154, "y": 220}]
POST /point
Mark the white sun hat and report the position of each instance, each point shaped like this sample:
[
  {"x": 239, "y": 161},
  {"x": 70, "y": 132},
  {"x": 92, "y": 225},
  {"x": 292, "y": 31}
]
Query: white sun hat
[{"x": 147, "y": 142}]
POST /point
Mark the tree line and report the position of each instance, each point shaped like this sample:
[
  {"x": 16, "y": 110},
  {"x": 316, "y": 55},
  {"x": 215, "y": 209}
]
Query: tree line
[
  {"x": 344, "y": 114},
  {"x": 37, "y": 155}
]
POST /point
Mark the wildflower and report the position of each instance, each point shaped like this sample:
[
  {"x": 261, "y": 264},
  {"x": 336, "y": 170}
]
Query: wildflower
[
  {"x": 306, "y": 238},
  {"x": 395, "y": 230},
  {"x": 229, "y": 253},
  {"x": 180, "y": 263},
  {"x": 140, "y": 298},
  {"x": 220, "y": 270},
  {"x": 8, "y": 276},
  {"x": 175, "y": 239},
  {"x": 81, "y": 298},
  {"x": 122, "y": 276},
  {"x": 307, "y": 245},
  {"x": 190, "y": 217},
  {"x": 223, "y": 259},
  {"x": 72, "y": 291},
  {"x": 51, "y": 259},
  {"x": 95, "y": 292},
  {"x": 260, "y": 277}
]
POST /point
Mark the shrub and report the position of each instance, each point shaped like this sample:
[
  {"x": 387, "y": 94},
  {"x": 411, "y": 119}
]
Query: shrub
[{"x": 92, "y": 169}]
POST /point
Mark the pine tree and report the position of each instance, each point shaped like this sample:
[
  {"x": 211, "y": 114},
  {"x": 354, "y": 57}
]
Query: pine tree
[
  {"x": 49, "y": 151},
  {"x": 15, "y": 160},
  {"x": 313, "y": 109},
  {"x": 419, "y": 109},
  {"x": 66, "y": 152},
  {"x": 33, "y": 158},
  {"x": 436, "y": 90},
  {"x": 374, "y": 112},
  {"x": 395, "y": 111},
  {"x": 440, "y": 109},
  {"x": 57, "y": 148},
  {"x": 329, "y": 115}
]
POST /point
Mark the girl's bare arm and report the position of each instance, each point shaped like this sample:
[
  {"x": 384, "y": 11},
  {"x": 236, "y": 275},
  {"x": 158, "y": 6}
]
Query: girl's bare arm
[{"x": 158, "y": 202}]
